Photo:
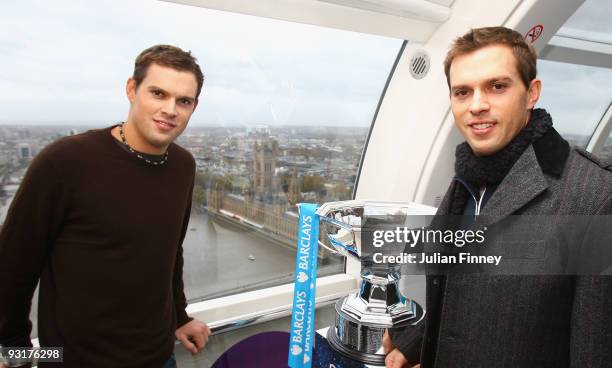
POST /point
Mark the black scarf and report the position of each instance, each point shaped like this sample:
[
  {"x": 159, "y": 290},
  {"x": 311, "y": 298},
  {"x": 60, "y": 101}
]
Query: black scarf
[{"x": 551, "y": 151}]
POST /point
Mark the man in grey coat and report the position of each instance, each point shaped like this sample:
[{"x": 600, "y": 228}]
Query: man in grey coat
[{"x": 514, "y": 165}]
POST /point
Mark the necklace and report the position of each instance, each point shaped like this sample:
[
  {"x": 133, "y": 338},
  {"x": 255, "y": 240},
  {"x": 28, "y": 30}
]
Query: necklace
[{"x": 138, "y": 154}]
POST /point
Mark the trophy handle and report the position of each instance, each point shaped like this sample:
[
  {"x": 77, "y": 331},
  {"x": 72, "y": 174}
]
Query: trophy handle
[
  {"x": 328, "y": 248},
  {"x": 336, "y": 246},
  {"x": 335, "y": 243}
]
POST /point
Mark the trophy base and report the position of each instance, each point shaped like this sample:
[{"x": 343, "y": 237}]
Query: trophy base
[
  {"x": 338, "y": 346},
  {"x": 363, "y": 342}
]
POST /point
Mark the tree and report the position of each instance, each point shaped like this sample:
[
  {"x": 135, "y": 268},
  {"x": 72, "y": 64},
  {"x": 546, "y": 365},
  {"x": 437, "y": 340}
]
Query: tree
[
  {"x": 199, "y": 198},
  {"x": 312, "y": 183},
  {"x": 202, "y": 179}
]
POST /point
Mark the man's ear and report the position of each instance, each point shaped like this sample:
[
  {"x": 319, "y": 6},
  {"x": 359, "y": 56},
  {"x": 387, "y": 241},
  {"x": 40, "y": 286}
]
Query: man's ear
[
  {"x": 533, "y": 94},
  {"x": 130, "y": 89}
]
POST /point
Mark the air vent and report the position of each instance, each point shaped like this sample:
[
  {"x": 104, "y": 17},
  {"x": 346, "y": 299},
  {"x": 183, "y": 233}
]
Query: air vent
[{"x": 419, "y": 65}]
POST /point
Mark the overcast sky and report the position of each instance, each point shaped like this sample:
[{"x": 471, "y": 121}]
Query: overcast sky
[
  {"x": 69, "y": 60},
  {"x": 66, "y": 61}
]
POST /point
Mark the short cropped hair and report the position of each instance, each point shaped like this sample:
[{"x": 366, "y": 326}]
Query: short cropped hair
[
  {"x": 168, "y": 56},
  {"x": 478, "y": 38}
]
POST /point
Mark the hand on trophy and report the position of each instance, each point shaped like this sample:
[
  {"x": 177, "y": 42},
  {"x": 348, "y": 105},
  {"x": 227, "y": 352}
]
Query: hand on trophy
[
  {"x": 387, "y": 343},
  {"x": 394, "y": 358}
]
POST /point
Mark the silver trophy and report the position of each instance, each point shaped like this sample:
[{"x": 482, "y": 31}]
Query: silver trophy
[{"x": 363, "y": 316}]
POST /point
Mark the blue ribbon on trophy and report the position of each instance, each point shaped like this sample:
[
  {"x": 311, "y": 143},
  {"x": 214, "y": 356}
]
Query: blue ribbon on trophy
[{"x": 303, "y": 312}]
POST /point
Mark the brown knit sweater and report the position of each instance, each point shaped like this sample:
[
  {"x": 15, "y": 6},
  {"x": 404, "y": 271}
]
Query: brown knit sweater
[{"x": 103, "y": 230}]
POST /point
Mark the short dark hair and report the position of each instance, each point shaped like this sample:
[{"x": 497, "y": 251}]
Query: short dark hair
[
  {"x": 169, "y": 56},
  {"x": 478, "y": 38}
]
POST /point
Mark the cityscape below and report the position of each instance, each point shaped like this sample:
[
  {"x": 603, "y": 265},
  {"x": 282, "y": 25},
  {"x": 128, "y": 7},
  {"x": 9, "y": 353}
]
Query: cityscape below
[{"x": 248, "y": 182}]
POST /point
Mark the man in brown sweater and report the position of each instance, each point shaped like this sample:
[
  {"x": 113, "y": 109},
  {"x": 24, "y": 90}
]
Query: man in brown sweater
[{"x": 100, "y": 218}]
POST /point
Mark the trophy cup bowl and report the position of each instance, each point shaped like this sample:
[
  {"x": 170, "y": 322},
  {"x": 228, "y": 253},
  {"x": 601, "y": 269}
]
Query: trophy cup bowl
[{"x": 363, "y": 316}]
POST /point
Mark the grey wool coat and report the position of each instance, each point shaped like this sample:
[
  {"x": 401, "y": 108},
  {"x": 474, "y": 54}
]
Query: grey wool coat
[{"x": 527, "y": 320}]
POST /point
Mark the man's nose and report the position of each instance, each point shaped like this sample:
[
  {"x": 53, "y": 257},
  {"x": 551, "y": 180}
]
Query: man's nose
[
  {"x": 169, "y": 107},
  {"x": 479, "y": 103}
]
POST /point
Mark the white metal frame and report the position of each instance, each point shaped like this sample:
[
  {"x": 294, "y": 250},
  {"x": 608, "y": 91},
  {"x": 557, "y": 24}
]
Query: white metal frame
[
  {"x": 276, "y": 300},
  {"x": 337, "y": 14},
  {"x": 602, "y": 132},
  {"x": 575, "y": 51}
]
